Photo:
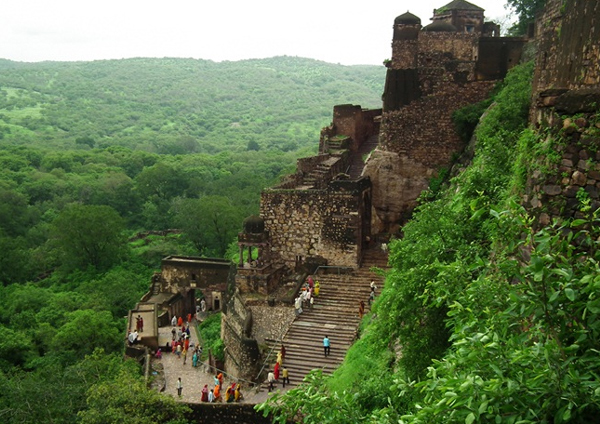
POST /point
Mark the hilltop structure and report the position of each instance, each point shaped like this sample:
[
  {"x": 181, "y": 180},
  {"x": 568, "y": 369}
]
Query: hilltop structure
[
  {"x": 435, "y": 69},
  {"x": 337, "y": 205}
]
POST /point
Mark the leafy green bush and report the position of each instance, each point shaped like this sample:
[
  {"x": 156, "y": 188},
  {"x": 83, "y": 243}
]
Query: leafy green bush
[
  {"x": 210, "y": 334},
  {"x": 465, "y": 119}
]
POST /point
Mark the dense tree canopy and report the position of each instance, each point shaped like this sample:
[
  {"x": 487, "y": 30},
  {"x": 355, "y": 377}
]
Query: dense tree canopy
[
  {"x": 89, "y": 235},
  {"x": 96, "y": 156}
]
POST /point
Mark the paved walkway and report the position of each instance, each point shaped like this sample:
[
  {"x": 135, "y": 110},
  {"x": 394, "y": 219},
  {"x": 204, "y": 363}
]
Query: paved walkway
[{"x": 194, "y": 378}]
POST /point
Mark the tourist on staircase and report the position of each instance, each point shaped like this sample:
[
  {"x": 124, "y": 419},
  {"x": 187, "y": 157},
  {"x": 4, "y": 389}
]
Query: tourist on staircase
[
  {"x": 326, "y": 346},
  {"x": 285, "y": 376},
  {"x": 271, "y": 380}
]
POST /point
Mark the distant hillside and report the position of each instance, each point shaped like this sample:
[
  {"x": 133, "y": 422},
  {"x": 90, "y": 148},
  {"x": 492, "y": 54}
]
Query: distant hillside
[{"x": 179, "y": 105}]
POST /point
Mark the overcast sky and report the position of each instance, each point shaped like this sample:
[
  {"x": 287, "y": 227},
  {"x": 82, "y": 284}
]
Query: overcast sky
[{"x": 349, "y": 32}]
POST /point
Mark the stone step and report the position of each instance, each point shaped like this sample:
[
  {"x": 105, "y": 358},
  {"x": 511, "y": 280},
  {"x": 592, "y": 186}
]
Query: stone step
[{"x": 335, "y": 314}]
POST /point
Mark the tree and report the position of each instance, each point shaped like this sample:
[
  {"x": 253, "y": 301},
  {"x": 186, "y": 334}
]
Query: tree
[
  {"x": 89, "y": 236},
  {"x": 86, "y": 330},
  {"x": 85, "y": 141},
  {"x": 14, "y": 260},
  {"x": 161, "y": 180},
  {"x": 526, "y": 10},
  {"x": 127, "y": 399},
  {"x": 253, "y": 145},
  {"x": 210, "y": 223}
]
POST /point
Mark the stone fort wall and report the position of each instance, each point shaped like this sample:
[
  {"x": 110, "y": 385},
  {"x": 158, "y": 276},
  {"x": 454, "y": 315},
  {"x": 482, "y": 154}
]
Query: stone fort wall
[
  {"x": 566, "y": 104},
  {"x": 424, "y": 130},
  {"x": 568, "y": 46},
  {"x": 309, "y": 223}
]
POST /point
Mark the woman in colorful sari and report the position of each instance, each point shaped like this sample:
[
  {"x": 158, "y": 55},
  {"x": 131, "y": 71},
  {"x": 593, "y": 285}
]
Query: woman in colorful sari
[
  {"x": 317, "y": 288},
  {"x": 204, "y": 396}
]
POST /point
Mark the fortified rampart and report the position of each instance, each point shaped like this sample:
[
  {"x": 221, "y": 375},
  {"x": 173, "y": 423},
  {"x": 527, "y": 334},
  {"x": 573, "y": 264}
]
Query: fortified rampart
[
  {"x": 242, "y": 354},
  {"x": 566, "y": 102},
  {"x": 351, "y": 122},
  {"x": 186, "y": 275},
  {"x": 326, "y": 223},
  {"x": 434, "y": 70}
]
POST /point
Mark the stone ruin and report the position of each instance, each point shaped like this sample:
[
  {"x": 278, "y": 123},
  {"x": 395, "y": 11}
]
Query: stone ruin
[{"x": 335, "y": 205}]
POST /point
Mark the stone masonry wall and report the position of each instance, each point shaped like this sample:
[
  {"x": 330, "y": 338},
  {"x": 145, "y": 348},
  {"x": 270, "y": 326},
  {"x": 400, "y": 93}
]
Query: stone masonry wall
[
  {"x": 242, "y": 354},
  {"x": 424, "y": 130},
  {"x": 404, "y": 54},
  {"x": 184, "y": 273},
  {"x": 572, "y": 189},
  {"x": 566, "y": 104},
  {"x": 270, "y": 322},
  {"x": 568, "y": 45},
  {"x": 307, "y": 223},
  {"x": 238, "y": 413}
]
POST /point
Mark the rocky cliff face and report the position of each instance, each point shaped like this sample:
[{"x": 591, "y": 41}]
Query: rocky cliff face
[{"x": 398, "y": 182}]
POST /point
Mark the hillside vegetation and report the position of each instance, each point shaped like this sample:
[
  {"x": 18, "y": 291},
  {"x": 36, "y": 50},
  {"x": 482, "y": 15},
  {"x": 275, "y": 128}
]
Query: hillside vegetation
[
  {"x": 483, "y": 318},
  {"x": 179, "y": 105},
  {"x": 93, "y": 156}
]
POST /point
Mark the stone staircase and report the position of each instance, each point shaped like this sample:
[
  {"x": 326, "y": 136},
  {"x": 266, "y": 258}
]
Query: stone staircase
[
  {"x": 335, "y": 314},
  {"x": 356, "y": 161},
  {"x": 321, "y": 174}
]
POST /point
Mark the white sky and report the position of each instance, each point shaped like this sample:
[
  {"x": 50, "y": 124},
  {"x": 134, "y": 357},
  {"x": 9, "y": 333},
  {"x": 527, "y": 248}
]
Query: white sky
[{"x": 349, "y": 32}]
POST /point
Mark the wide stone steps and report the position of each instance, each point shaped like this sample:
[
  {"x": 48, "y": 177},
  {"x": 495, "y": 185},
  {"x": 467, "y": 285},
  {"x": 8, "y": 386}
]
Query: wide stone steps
[{"x": 335, "y": 314}]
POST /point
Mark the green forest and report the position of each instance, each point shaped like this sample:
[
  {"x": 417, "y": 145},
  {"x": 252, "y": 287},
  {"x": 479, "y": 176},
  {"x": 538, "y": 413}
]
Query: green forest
[
  {"x": 486, "y": 316},
  {"x": 96, "y": 159}
]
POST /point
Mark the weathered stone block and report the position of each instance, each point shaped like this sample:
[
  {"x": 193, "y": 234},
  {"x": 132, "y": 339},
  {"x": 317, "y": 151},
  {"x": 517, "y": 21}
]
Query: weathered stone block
[
  {"x": 578, "y": 178},
  {"x": 570, "y": 191},
  {"x": 552, "y": 190}
]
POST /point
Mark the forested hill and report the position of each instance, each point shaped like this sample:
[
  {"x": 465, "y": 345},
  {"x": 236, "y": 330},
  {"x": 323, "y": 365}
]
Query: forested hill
[{"x": 179, "y": 105}]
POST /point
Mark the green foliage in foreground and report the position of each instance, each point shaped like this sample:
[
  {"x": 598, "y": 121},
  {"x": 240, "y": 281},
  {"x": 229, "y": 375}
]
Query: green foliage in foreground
[
  {"x": 483, "y": 318},
  {"x": 127, "y": 399}
]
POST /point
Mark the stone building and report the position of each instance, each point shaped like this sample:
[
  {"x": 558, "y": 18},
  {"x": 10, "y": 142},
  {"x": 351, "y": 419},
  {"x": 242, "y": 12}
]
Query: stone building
[
  {"x": 434, "y": 70},
  {"x": 173, "y": 292},
  {"x": 334, "y": 206}
]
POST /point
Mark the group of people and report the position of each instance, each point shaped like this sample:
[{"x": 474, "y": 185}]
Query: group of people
[
  {"x": 232, "y": 393},
  {"x": 307, "y": 295},
  {"x": 278, "y": 370},
  {"x": 372, "y": 294},
  {"x": 133, "y": 336},
  {"x": 180, "y": 339},
  {"x": 361, "y": 305}
]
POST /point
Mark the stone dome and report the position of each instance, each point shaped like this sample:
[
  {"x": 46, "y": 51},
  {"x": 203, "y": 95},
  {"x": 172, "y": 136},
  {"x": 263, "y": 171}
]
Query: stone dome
[
  {"x": 440, "y": 26},
  {"x": 254, "y": 225},
  {"x": 407, "y": 19}
]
